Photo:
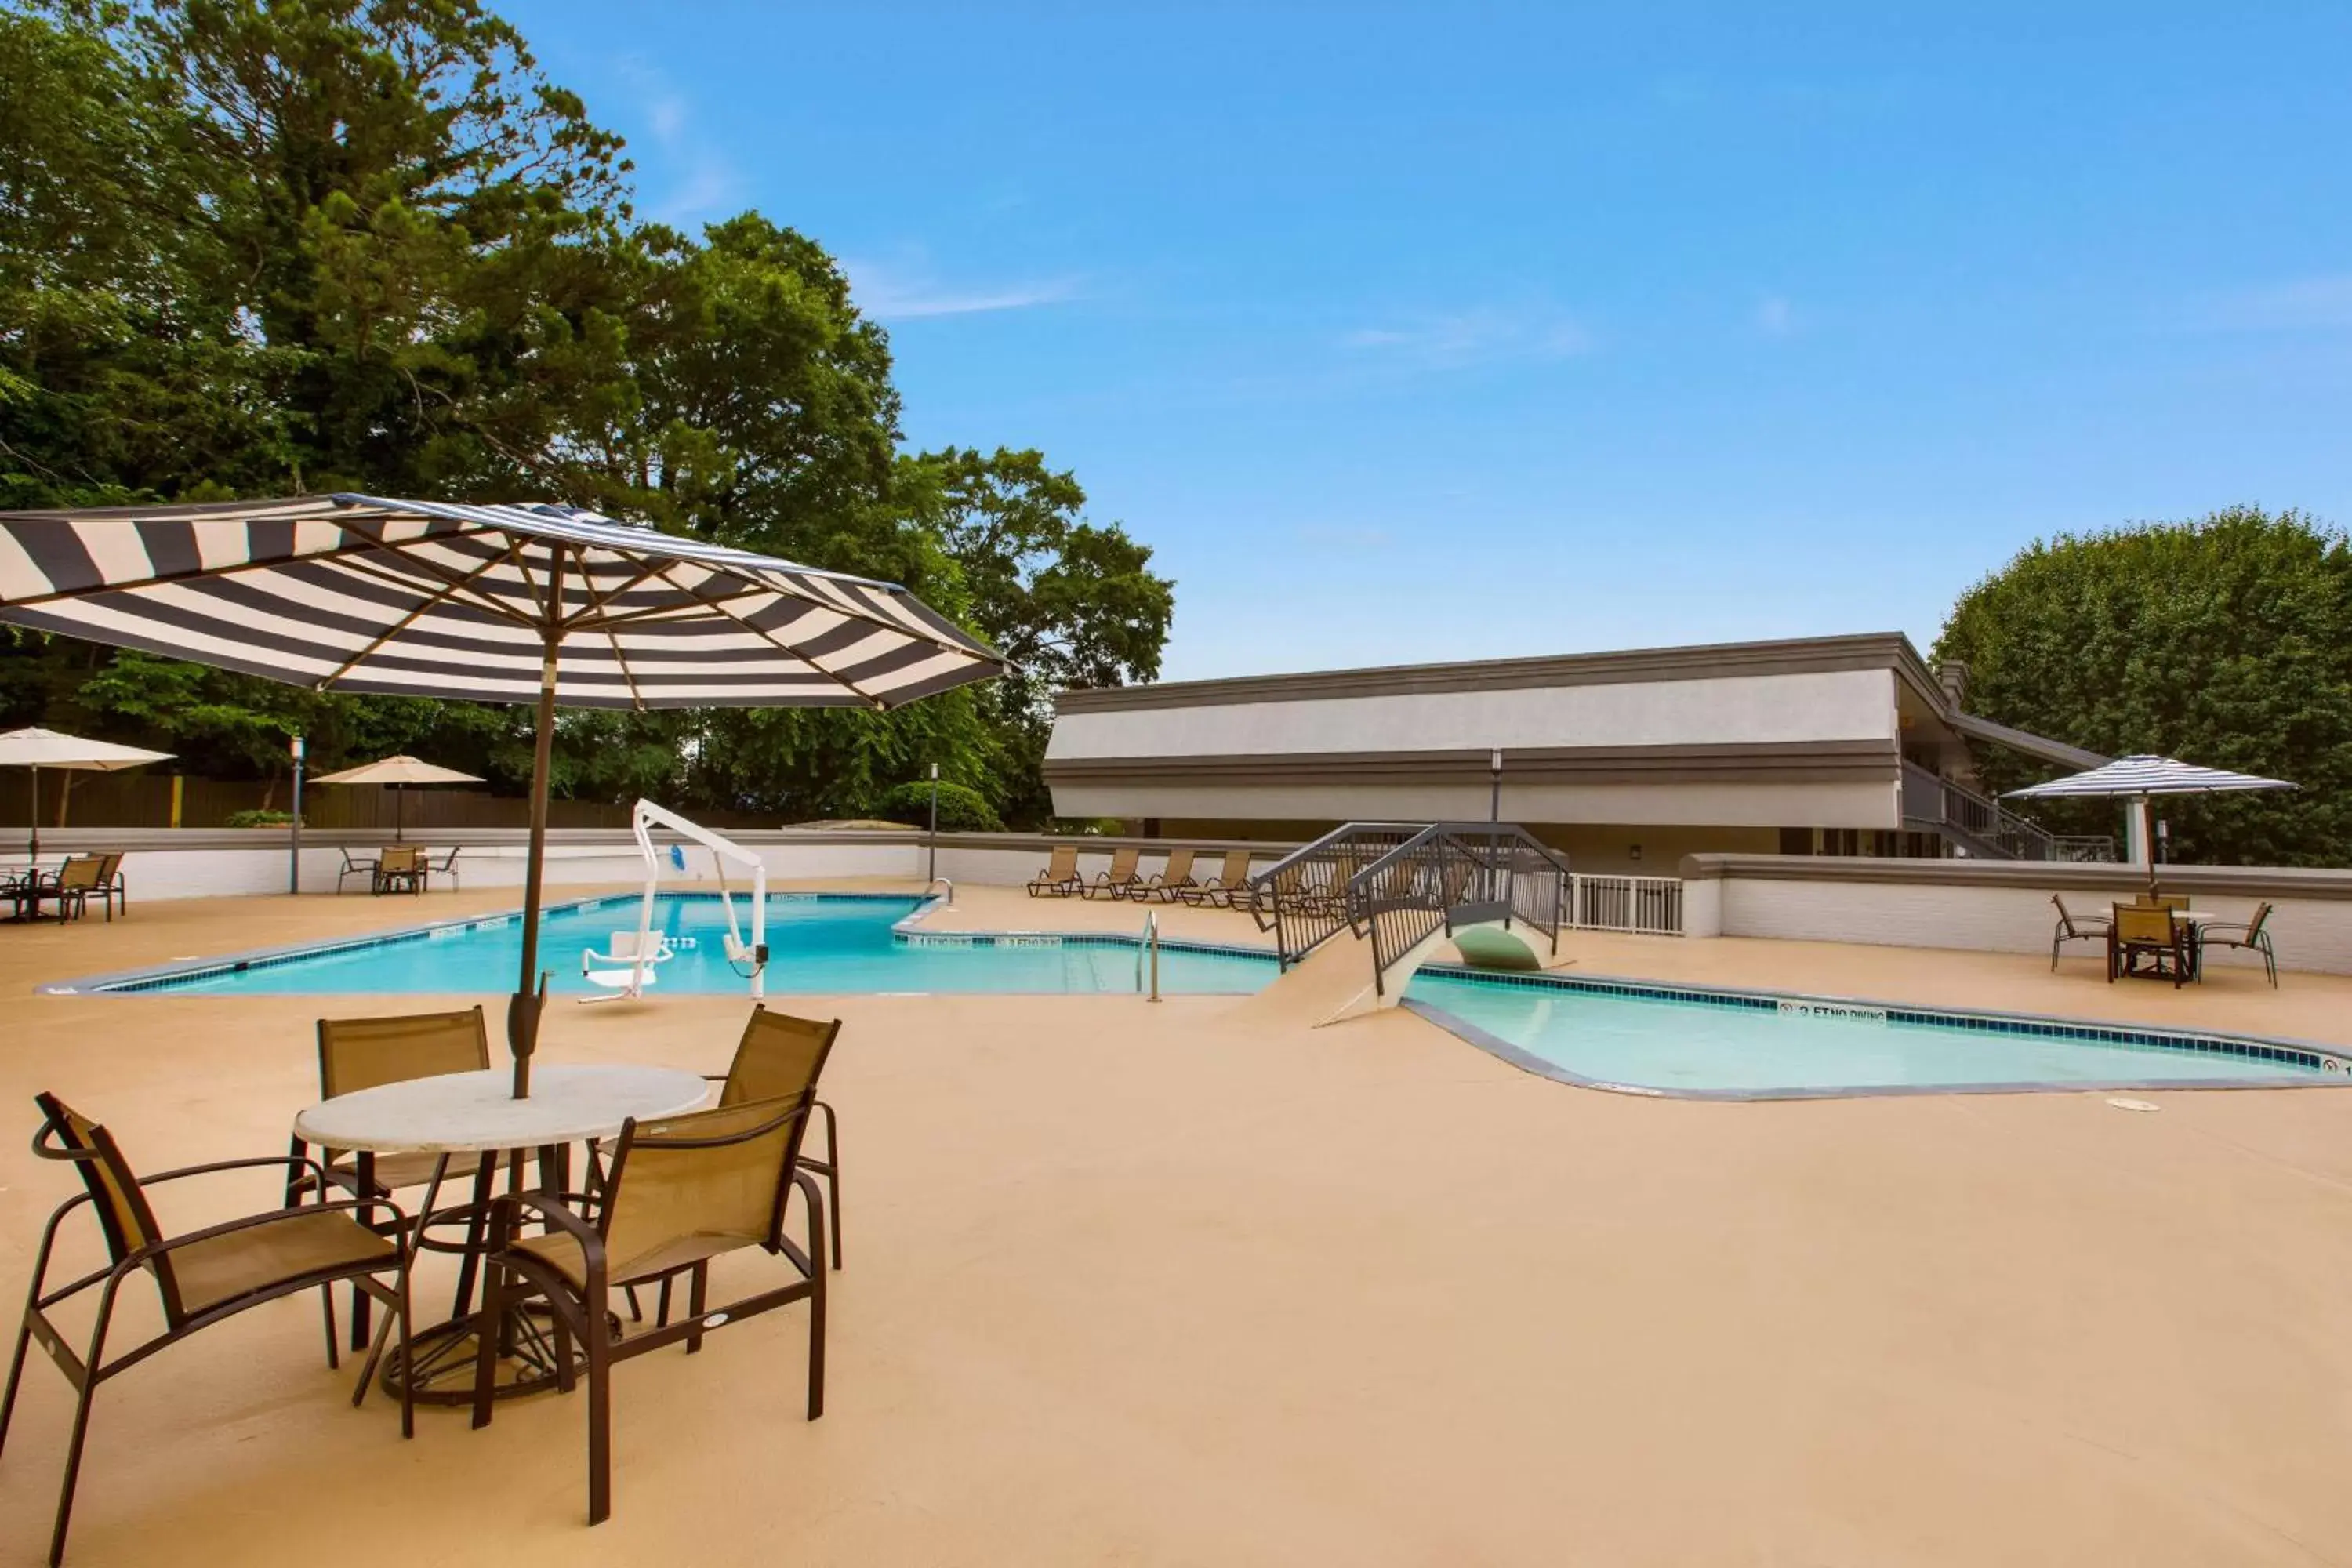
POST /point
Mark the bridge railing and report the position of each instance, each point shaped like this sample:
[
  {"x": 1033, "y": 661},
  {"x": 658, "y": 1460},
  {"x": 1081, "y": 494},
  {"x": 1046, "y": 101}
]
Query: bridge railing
[
  {"x": 1302, "y": 899},
  {"x": 1452, "y": 874}
]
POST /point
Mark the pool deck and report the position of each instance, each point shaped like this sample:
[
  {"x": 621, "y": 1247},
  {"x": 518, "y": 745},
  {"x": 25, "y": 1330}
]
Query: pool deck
[{"x": 1192, "y": 1283}]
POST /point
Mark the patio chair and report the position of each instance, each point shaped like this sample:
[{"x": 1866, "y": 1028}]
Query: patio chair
[
  {"x": 1121, "y": 879},
  {"x": 362, "y": 1053},
  {"x": 2069, "y": 928},
  {"x": 1231, "y": 881},
  {"x": 352, "y": 867},
  {"x": 780, "y": 1057},
  {"x": 401, "y": 869},
  {"x": 681, "y": 1191},
  {"x": 71, "y": 886},
  {"x": 445, "y": 866},
  {"x": 201, "y": 1278},
  {"x": 2253, "y": 935},
  {"x": 1168, "y": 883},
  {"x": 1060, "y": 877},
  {"x": 2140, "y": 932}
]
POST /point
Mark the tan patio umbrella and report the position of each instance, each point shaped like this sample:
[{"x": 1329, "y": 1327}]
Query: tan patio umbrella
[
  {"x": 551, "y": 605},
  {"x": 38, "y": 749},
  {"x": 399, "y": 773}
]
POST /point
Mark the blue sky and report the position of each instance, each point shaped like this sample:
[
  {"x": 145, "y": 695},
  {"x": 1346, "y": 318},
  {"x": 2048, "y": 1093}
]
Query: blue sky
[{"x": 1472, "y": 331}]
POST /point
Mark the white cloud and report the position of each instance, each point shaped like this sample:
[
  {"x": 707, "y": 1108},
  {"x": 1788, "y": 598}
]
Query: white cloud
[
  {"x": 901, "y": 294},
  {"x": 1775, "y": 317},
  {"x": 2301, "y": 304},
  {"x": 1483, "y": 335},
  {"x": 697, "y": 180}
]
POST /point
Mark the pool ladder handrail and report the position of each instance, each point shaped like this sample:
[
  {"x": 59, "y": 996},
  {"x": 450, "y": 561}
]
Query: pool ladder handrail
[
  {"x": 1149, "y": 943},
  {"x": 941, "y": 882}
]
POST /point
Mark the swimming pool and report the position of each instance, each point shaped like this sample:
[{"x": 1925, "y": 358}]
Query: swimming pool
[
  {"x": 1729, "y": 1044},
  {"x": 837, "y": 942}
]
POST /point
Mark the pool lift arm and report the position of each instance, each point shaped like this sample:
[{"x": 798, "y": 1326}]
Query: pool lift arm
[{"x": 648, "y": 950}]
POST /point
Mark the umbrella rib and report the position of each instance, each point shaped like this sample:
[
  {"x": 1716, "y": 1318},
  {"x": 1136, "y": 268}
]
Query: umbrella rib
[
  {"x": 637, "y": 699},
  {"x": 447, "y": 592},
  {"x": 659, "y": 613},
  {"x": 844, "y": 683},
  {"x": 459, "y": 581},
  {"x": 598, "y": 601}
]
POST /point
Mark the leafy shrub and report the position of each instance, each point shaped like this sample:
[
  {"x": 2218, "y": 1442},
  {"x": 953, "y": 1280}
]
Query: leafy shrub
[
  {"x": 962, "y": 809},
  {"x": 258, "y": 818}
]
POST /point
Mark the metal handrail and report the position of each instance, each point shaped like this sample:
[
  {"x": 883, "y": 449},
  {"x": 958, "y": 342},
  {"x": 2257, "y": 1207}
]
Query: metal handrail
[
  {"x": 1149, "y": 943},
  {"x": 1420, "y": 878},
  {"x": 941, "y": 882}
]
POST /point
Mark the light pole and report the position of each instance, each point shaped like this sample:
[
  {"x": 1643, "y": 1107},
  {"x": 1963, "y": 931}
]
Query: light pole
[
  {"x": 1495, "y": 772},
  {"x": 294, "y": 855},
  {"x": 931, "y": 868}
]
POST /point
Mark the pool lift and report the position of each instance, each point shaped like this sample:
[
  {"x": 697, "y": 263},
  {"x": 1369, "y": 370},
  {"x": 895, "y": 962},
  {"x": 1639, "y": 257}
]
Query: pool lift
[{"x": 635, "y": 956}]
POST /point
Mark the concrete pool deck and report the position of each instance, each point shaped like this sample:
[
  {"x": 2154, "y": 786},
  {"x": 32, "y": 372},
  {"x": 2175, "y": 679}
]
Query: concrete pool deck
[{"x": 1191, "y": 1283}]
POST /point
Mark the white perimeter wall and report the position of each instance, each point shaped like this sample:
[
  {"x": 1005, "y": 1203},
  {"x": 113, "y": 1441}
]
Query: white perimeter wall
[{"x": 2310, "y": 933}]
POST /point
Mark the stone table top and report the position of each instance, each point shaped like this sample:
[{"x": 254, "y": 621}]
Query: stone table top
[{"x": 466, "y": 1112}]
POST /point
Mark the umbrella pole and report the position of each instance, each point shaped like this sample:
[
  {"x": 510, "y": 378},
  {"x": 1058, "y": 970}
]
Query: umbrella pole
[
  {"x": 399, "y": 812},
  {"x": 33, "y": 822},
  {"x": 522, "y": 1013}
]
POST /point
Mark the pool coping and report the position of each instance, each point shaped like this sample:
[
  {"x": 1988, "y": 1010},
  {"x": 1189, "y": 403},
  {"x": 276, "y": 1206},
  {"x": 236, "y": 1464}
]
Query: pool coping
[
  {"x": 158, "y": 977},
  {"x": 2334, "y": 1062}
]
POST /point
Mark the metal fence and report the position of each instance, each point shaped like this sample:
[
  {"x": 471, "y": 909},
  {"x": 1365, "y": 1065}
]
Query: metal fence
[{"x": 1645, "y": 906}]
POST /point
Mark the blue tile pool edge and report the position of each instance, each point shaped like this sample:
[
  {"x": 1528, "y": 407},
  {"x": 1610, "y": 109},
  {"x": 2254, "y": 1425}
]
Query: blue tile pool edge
[
  {"x": 2333, "y": 1065},
  {"x": 161, "y": 977}
]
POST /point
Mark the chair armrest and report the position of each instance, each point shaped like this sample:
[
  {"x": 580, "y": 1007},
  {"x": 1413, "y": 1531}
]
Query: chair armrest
[
  {"x": 313, "y": 1166},
  {"x": 559, "y": 1217},
  {"x": 269, "y": 1217}
]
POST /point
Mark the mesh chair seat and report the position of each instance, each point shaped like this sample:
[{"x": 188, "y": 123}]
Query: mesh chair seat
[
  {"x": 562, "y": 1253},
  {"x": 246, "y": 1261}
]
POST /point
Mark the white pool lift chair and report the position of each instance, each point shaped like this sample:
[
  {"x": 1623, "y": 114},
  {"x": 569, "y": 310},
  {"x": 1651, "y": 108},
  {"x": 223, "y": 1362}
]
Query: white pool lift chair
[{"x": 633, "y": 960}]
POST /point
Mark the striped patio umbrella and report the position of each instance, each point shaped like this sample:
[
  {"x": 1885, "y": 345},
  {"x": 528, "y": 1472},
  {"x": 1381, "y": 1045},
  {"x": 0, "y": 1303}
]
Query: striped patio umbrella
[
  {"x": 2136, "y": 778},
  {"x": 540, "y": 604}
]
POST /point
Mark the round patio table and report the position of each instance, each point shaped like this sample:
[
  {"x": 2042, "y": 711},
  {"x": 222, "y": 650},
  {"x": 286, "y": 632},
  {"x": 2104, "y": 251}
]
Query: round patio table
[{"x": 476, "y": 1114}]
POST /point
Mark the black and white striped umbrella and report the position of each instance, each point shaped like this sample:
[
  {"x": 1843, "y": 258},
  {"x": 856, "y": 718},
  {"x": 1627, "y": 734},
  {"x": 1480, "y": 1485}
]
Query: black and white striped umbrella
[
  {"x": 430, "y": 599},
  {"x": 2145, "y": 774},
  {"x": 497, "y": 603}
]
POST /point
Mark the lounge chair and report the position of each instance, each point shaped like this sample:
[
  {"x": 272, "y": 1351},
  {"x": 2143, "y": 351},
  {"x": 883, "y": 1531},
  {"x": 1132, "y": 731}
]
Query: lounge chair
[
  {"x": 2253, "y": 935},
  {"x": 362, "y": 1053},
  {"x": 401, "y": 869},
  {"x": 1231, "y": 881},
  {"x": 445, "y": 866},
  {"x": 2141, "y": 932},
  {"x": 2069, "y": 928},
  {"x": 1170, "y": 883},
  {"x": 780, "y": 1057},
  {"x": 201, "y": 1278},
  {"x": 1060, "y": 877},
  {"x": 681, "y": 1191},
  {"x": 1121, "y": 879}
]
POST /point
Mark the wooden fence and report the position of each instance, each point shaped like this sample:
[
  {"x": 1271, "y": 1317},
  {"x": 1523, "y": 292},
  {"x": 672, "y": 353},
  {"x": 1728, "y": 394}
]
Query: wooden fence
[{"x": 148, "y": 799}]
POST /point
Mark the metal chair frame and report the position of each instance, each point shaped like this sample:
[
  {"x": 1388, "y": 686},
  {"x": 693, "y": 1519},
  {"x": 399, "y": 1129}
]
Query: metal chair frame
[{"x": 86, "y": 1372}]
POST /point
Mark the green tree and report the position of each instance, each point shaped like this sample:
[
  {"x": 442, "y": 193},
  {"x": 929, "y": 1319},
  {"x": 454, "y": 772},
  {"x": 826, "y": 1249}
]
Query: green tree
[
  {"x": 962, "y": 809},
  {"x": 1070, "y": 602},
  {"x": 2225, "y": 641},
  {"x": 256, "y": 249}
]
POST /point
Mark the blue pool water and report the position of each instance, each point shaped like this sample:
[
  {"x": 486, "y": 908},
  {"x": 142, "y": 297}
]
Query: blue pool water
[
  {"x": 1690, "y": 1043},
  {"x": 830, "y": 943}
]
